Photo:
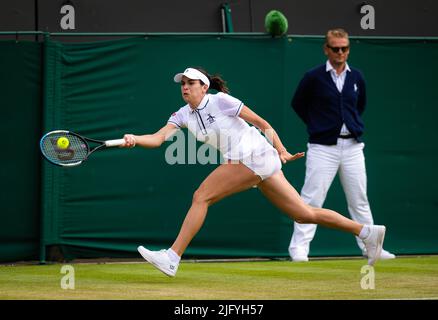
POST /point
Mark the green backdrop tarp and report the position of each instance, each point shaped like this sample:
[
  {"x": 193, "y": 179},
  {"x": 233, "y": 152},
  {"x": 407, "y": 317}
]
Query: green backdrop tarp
[
  {"x": 20, "y": 127},
  {"x": 122, "y": 198},
  {"x": 400, "y": 140}
]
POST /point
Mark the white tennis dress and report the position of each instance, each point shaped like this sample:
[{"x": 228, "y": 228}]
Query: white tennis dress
[{"x": 216, "y": 122}]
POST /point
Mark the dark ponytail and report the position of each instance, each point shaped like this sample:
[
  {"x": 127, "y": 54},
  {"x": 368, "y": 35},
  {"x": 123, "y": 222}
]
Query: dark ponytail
[{"x": 216, "y": 82}]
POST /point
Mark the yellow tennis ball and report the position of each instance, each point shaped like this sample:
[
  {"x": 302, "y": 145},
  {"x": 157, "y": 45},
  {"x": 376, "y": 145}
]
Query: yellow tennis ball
[{"x": 62, "y": 143}]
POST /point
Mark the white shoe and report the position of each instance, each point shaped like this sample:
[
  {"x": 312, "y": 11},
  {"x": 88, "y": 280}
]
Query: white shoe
[
  {"x": 298, "y": 254},
  {"x": 300, "y": 258},
  {"x": 374, "y": 242},
  {"x": 160, "y": 260},
  {"x": 385, "y": 255}
]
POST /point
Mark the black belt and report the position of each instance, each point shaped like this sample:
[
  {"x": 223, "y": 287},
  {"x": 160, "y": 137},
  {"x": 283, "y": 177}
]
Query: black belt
[{"x": 348, "y": 136}]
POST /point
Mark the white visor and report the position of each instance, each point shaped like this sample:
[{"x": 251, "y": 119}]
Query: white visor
[{"x": 192, "y": 74}]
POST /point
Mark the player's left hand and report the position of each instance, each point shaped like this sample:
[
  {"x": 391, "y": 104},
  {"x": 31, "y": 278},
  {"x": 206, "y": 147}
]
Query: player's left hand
[{"x": 285, "y": 156}]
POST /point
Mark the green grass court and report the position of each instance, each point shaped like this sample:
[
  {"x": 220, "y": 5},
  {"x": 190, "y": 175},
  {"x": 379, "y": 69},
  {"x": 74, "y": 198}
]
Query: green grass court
[{"x": 414, "y": 277}]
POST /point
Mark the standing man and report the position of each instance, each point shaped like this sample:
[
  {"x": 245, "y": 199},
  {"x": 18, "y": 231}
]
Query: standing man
[{"x": 330, "y": 100}]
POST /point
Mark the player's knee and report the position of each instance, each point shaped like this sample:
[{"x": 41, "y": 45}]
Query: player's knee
[{"x": 200, "y": 196}]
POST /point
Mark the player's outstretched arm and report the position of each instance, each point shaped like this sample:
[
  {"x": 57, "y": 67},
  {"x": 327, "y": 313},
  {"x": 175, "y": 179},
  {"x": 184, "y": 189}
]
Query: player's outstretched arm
[{"x": 149, "y": 140}]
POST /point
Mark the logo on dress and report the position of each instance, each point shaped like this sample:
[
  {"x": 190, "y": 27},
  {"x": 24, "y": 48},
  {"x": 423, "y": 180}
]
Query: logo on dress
[
  {"x": 355, "y": 87},
  {"x": 211, "y": 118}
]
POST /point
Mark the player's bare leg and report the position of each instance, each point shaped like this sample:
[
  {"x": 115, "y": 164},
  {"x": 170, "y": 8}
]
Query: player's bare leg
[
  {"x": 282, "y": 194},
  {"x": 225, "y": 180}
]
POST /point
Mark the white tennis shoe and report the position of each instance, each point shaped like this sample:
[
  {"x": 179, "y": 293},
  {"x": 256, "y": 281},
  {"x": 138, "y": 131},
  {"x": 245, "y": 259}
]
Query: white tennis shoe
[
  {"x": 160, "y": 260},
  {"x": 300, "y": 258},
  {"x": 385, "y": 255},
  {"x": 374, "y": 243}
]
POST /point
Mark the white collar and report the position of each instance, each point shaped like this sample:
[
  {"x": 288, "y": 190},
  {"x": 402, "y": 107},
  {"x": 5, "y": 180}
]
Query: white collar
[
  {"x": 329, "y": 67},
  {"x": 202, "y": 104}
]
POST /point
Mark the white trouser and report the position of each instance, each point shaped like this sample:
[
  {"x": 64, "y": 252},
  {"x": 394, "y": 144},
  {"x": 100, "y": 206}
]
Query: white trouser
[{"x": 322, "y": 164}]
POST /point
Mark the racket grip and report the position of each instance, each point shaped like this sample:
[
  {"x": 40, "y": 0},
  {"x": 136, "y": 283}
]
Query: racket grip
[{"x": 114, "y": 143}]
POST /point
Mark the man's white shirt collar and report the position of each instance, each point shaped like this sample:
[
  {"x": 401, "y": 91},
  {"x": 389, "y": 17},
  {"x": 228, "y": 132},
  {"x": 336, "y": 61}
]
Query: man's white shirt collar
[{"x": 329, "y": 67}]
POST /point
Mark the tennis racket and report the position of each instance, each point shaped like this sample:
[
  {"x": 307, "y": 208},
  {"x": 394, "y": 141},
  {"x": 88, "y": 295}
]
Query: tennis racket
[{"x": 68, "y": 149}]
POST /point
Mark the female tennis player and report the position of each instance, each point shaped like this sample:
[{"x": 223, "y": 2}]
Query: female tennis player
[{"x": 250, "y": 159}]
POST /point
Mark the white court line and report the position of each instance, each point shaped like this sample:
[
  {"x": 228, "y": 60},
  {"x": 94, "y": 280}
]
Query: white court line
[{"x": 429, "y": 298}]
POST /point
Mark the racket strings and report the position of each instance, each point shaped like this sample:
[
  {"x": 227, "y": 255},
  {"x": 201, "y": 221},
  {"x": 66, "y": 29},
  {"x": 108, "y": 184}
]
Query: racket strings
[{"x": 76, "y": 151}]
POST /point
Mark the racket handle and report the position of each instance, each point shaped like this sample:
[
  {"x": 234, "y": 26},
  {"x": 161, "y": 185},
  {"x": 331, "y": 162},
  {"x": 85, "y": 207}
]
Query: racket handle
[{"x": 114, "y": 143}]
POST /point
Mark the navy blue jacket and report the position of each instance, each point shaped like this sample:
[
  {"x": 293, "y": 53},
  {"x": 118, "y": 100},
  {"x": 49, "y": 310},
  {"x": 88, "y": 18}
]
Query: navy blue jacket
[{"x": 324, "y": 109}]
